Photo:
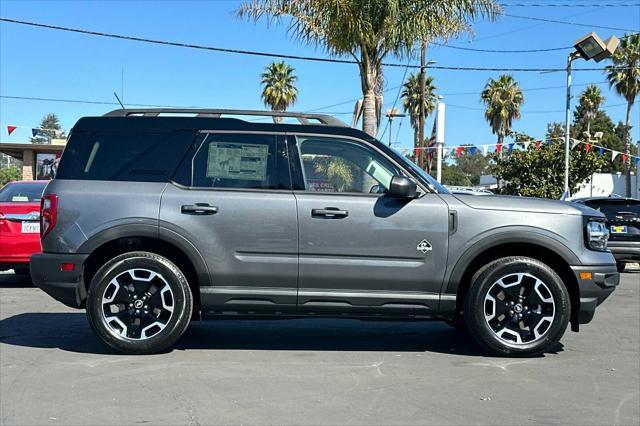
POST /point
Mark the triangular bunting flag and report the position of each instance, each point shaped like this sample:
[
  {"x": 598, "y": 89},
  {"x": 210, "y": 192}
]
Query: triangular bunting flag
[
  {"x": 526, "y": 144},
  {"x": 472, "y": 150},
  {"x": 587, "y": 147},
  {"x": 601, "y": 151},
  {"x": 459, "y": 151},
  {"x": 10, "y": 129},
  {"x": 637, "y": 161},
  {"x": 624, "y": 158},
  {"x": 538, "y": 143},
  {"x": 499, "y": 148},
  {"x": 58, "y": 133},
  {"x": 34, "y": 132},
  {"x": 485, "y": 149},
  {"x": 511, "y": 146},
  {"x": 614, "y": 154},
  {"x": 575, "y": 143}
]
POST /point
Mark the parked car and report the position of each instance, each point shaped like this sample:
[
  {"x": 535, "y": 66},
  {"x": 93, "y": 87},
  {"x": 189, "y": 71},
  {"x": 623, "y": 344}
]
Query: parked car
[
  {"x": 468, "y": 190},
  {"x": 155, "y": 219},
  {"x": 623, "y": 222},
  {"x": 19, "y": 223}
]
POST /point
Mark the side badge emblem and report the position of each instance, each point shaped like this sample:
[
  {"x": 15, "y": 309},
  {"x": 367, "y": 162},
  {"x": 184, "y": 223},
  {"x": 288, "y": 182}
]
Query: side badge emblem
[{"x": 424, "y": 246}]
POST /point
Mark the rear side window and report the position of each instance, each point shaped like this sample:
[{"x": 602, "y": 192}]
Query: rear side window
[
  {"x": 244, "y": 161},
  {"x": 145, "y": 157}
]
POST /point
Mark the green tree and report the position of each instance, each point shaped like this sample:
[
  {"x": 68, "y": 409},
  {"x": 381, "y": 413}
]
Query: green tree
[
  {"x": 279, "y": 87},
  {"x": 624, "y": 76},
  {"x": 473, "y": 166},
  {"x": 369, "y": 30},
  {"x": 49, "y": 128},
  {"x": 9, "y": 174},
  {"x": 555, "y": 131},
  {"x": 411, "y": 105},
  {"x": 503, "y": 98},
  {"x": 590, "y": 102},
  {"x": 452, "y": 175},
  {"x": 539, "y": 172}
]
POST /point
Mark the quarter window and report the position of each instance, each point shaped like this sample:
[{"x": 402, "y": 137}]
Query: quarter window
[
  {"x": 240, "y": 161},
  {"x": 336, "y": 165}
]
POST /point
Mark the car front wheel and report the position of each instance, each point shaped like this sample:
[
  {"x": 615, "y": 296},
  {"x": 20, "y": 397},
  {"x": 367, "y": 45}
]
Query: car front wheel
[
  {"x": 139, "y": 303},
  {"x": 517, "y": 306}
]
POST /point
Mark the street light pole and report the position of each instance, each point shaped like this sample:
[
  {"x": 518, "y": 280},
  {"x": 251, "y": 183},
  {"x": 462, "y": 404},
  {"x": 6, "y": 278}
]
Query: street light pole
[
  {"x": 440, "y": 111},
  {"x": 567, "y": 125}
]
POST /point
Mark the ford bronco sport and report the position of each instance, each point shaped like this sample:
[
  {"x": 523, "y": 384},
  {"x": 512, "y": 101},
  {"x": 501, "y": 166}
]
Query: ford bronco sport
[{"x": 156, "y": 218}]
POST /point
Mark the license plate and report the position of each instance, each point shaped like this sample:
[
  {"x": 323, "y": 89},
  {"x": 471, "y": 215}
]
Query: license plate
[
  {"x": 618, "y": 229},
  {"x": 30, "y": 227}
]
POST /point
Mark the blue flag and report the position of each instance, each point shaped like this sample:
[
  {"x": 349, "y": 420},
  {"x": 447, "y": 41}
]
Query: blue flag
[
  {"x": 472, "y": 150},
  {"x": 35, "y": 132},
  {"x": 601, "y": 151},
  {"x": 511, "y": 146}
]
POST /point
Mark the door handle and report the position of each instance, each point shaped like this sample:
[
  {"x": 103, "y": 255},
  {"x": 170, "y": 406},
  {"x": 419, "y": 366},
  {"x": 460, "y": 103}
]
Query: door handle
[
  {"x": 330, "y": 212},
  {"x": 199, "y": 209}
]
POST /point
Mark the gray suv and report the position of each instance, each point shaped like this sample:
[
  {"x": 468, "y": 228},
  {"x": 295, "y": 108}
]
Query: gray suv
[{"x": 158, "y": 217}]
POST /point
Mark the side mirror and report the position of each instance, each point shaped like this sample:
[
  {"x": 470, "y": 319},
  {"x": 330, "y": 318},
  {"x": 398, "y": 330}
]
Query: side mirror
[{"x": 402, "y": 187}]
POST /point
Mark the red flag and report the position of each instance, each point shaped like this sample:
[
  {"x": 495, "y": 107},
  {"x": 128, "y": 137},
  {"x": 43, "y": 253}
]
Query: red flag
[
  {"x": 499, "y": 148},
  {"x": 10, "y": 129},
  {"x": 538, "y": 143},
  {"x": 587, "y": 147},
  {"x": 624, "y": 158},
  {"x": 459, "y": 151}
]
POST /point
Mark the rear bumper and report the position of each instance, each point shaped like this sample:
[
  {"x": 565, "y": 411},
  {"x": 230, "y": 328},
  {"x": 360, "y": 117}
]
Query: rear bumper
[
  {"x": 594, "y": 291},
  {"x": 18, "y": 248},
  {"x": 625, "y": 250},
  {"x": 64, "y": 286}
]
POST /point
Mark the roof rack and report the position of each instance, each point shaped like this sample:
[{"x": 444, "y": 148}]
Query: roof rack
[{"x": 302, "y": 117}]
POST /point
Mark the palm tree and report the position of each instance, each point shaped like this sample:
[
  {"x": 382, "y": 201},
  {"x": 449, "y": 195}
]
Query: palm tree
[
  {"x": 411, "y": 104},
  {"x": 370, "y": 30},
  {"x": 279, "y": 87},
  {"x": 503, "y": 99},
  {"x": 624, "y": 76},
  {"x": 591, "y": 100}
]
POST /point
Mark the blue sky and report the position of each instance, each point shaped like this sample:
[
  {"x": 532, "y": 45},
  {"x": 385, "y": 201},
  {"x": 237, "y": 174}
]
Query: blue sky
[{"x": 52, "y": 64}]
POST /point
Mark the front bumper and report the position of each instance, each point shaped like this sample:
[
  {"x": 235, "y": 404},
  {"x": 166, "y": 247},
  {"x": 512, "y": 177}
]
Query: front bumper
[
  {"x": 64, "y": 286},
  {"x": 625, "y": 250},
  {"x": 595, "y": 290}
]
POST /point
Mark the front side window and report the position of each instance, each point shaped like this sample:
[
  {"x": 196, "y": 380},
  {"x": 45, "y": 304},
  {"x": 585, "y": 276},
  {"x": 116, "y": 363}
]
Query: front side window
[
  {"x": 337, "y": 165},
  {"x": 251, "y": 161}
]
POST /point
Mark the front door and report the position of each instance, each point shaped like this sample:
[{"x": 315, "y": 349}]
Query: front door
[
  {"x": 232, "y": 200},
  {"x": 361, "y": 250}
]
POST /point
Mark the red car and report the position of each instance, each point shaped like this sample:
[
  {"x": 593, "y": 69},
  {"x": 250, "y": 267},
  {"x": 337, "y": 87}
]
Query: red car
[{"x": 20, "y": 224}]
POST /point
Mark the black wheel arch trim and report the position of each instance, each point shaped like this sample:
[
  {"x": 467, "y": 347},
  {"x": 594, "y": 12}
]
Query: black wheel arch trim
[
  {"x": 484, "y": 242},
  {"x": 130, "y": 230}
]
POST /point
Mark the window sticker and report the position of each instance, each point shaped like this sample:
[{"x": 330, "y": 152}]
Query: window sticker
[{"x": 237, "y": 161}]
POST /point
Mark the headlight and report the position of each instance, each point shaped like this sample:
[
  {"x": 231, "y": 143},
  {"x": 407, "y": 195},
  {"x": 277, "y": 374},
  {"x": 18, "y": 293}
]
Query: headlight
[{"x": 597, "y": 235}]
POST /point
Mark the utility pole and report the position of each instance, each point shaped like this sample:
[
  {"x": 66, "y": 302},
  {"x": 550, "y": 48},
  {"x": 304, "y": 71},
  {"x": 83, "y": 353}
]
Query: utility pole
[
  {"x": 423, "y": 64},
  {"x": 440, "y": 112}
]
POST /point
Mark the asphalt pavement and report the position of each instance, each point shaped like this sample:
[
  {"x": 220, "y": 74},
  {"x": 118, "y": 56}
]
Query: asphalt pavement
[{"x": 55, "y": 371}]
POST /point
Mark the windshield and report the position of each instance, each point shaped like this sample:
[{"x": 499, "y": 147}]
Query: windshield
[
  {"x": 22, "y": 192},
  {"x": 612, "y": 208},
  {"x": 422, "y": 174}
]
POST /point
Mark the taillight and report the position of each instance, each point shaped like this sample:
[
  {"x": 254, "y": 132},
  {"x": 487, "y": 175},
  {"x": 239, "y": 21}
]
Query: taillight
[{"x": 48, "y": 214}]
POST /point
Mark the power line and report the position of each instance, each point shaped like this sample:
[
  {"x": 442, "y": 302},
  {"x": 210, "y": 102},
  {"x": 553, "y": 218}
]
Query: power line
[
  {"x": 83, "y": 101},
  {"x": 578, "y": 24},
  {"x": 277, "y": 55},
  {"x": 531, "y": 111},
  {"x": 471, "y": 49},
  {"x": 570, "y": 4}
]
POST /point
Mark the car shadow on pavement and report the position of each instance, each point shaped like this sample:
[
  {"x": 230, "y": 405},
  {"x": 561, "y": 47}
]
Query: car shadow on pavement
[
  {"x": 71, "y": 332},
  {"x": 11, "y": 280}
]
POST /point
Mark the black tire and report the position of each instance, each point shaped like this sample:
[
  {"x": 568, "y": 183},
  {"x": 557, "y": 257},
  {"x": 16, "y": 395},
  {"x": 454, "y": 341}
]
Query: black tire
[
  {"x": 551, "y": 330},
  {"x": 172, "y": 281},
  {"x": 457, "y": 322}
]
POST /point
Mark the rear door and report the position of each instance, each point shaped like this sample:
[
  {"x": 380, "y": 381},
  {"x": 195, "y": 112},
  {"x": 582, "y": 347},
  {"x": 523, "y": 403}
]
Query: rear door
[
  {"x": 361, "y": 250},
  {"x": 232, "y": 199}
]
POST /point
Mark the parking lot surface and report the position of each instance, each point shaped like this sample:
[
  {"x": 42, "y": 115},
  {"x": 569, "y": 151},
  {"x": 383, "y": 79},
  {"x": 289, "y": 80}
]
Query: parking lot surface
[{"x": 54, "y": 370}]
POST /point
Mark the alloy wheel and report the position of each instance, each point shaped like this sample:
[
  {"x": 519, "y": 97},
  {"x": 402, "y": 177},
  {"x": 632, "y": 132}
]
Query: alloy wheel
[
  {"x": 519, "y": 308},
  {"x": 137, "y": 304}
]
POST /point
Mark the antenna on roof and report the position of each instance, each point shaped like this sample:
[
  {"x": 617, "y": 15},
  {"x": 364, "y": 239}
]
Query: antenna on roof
[{"x": 120, "y": 102}]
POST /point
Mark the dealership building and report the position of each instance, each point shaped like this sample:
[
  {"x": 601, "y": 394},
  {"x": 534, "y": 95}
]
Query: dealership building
[{"x": 39, "y": 161}]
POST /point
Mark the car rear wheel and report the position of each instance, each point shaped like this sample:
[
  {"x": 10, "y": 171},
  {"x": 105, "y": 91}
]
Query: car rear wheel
[
  {"x": 517, "y": 306},
  {"x": 139, "y": 303}
]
